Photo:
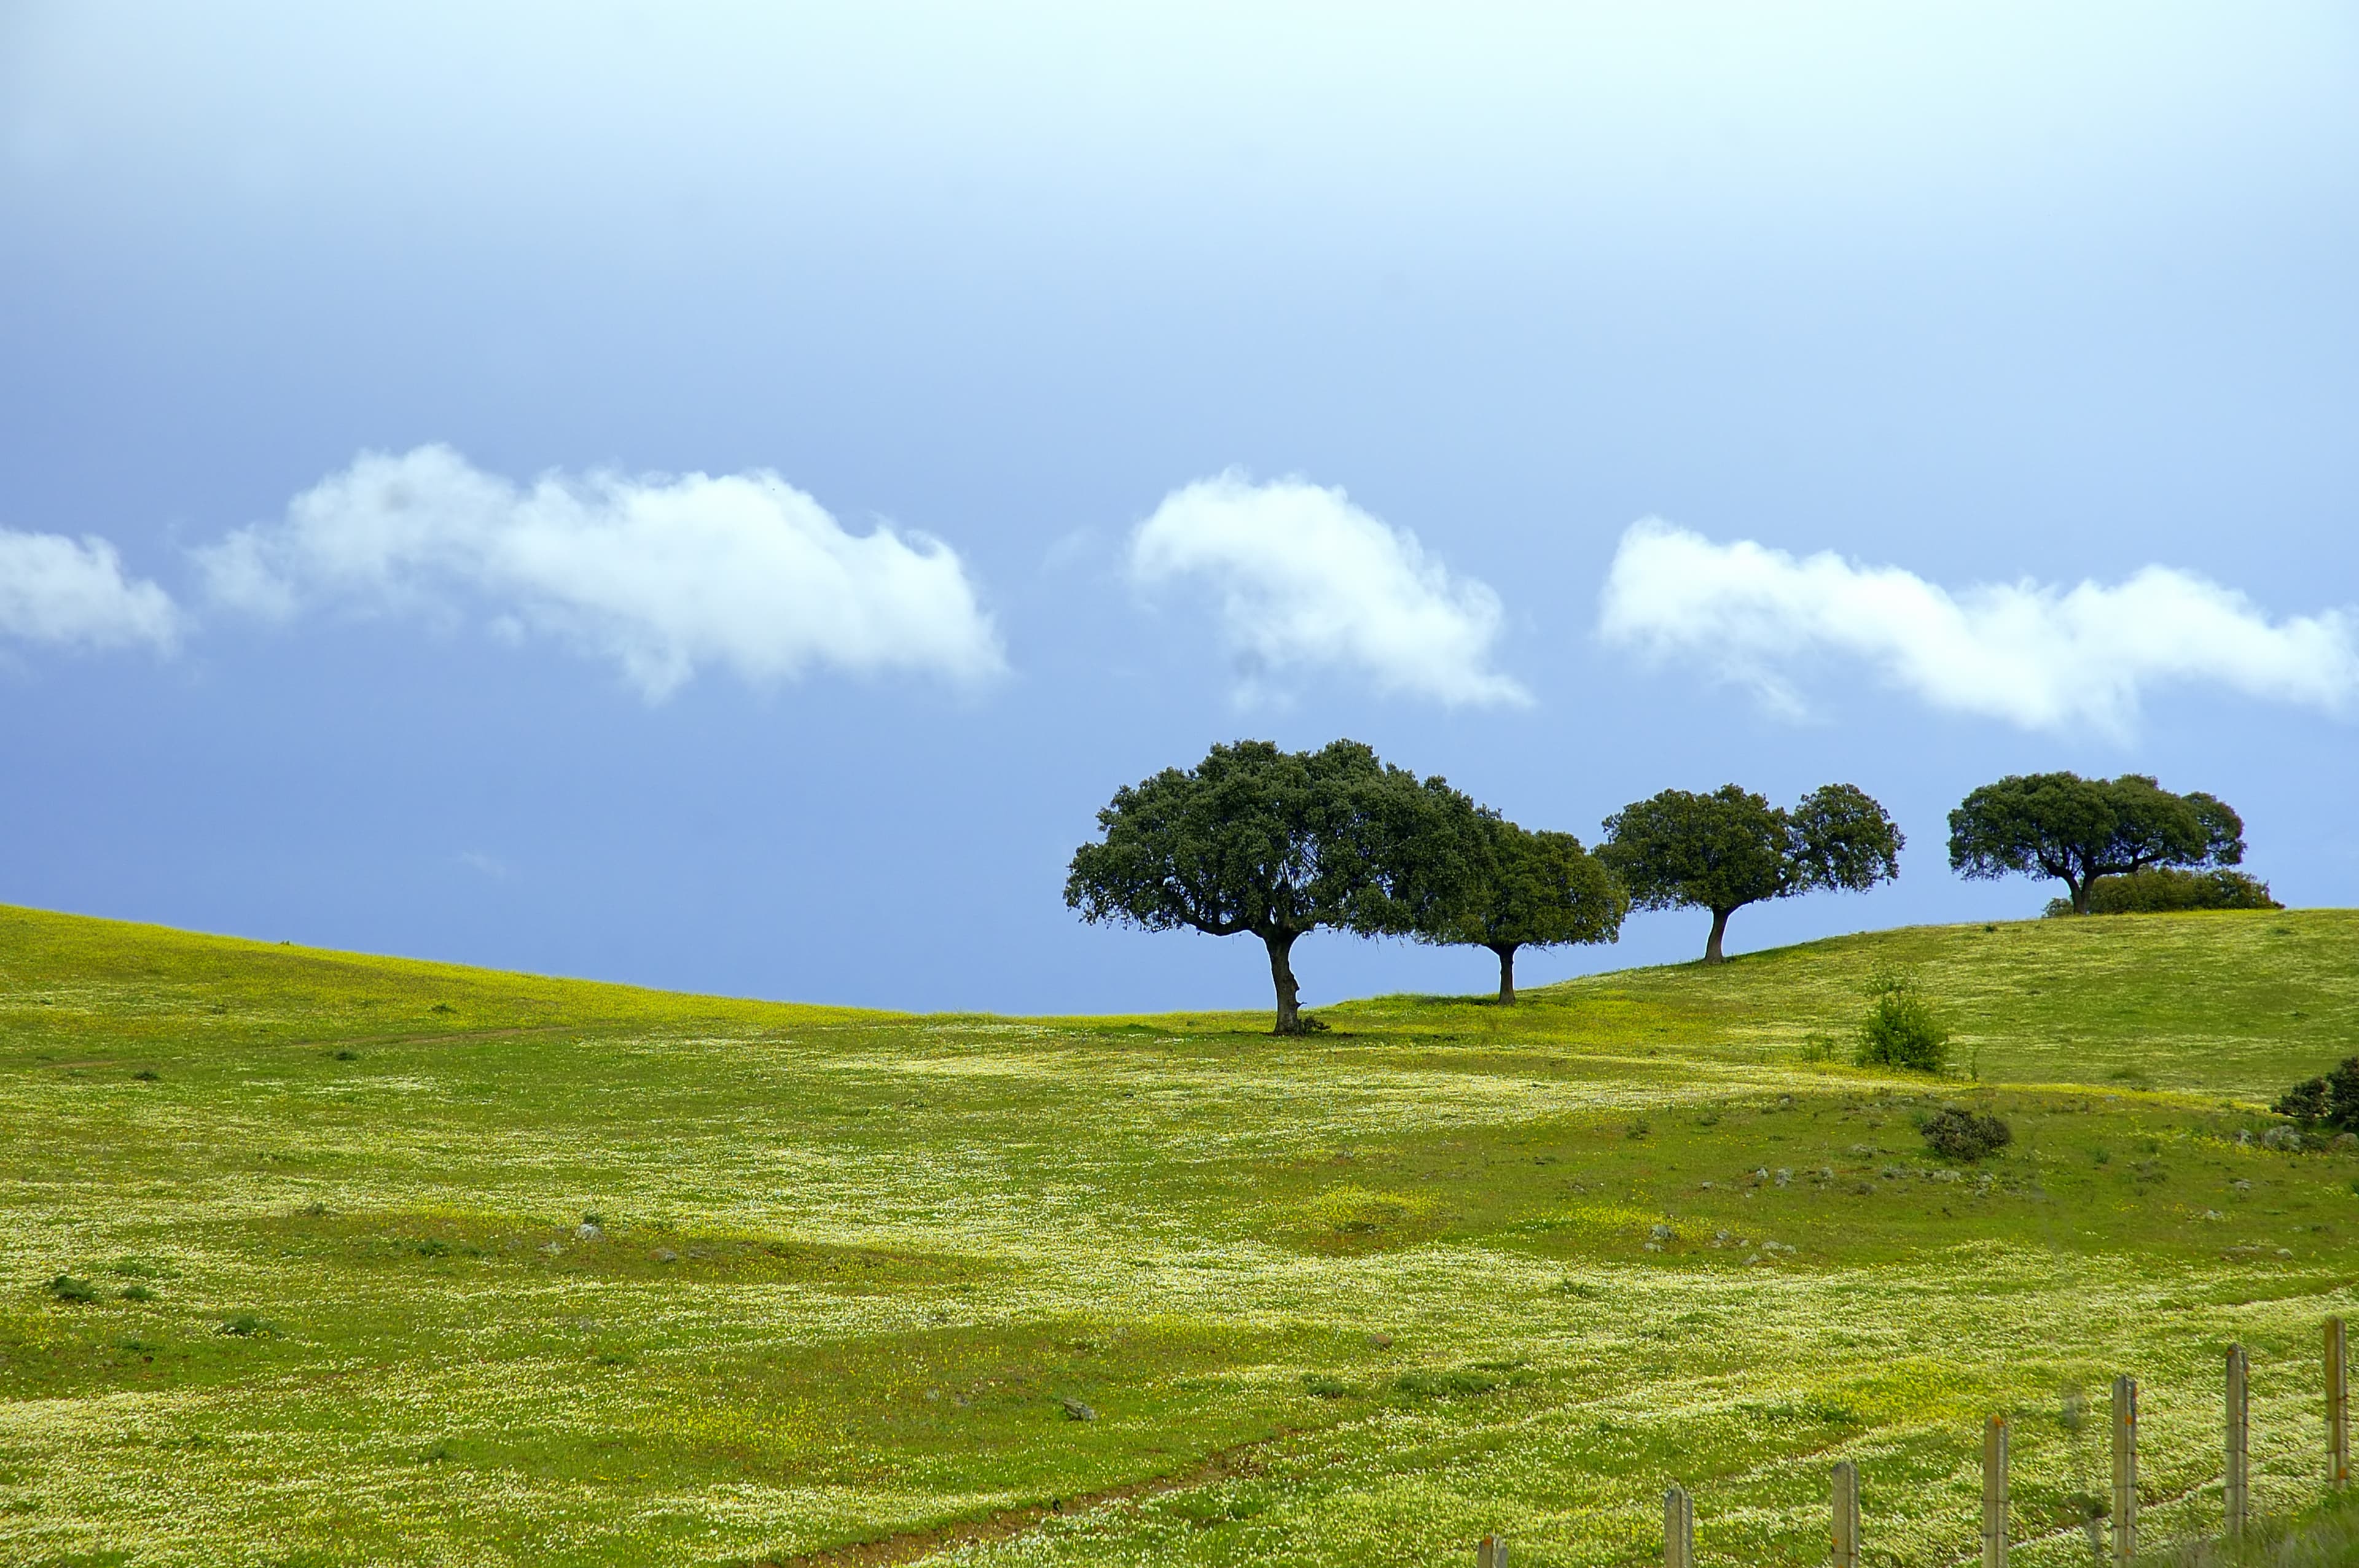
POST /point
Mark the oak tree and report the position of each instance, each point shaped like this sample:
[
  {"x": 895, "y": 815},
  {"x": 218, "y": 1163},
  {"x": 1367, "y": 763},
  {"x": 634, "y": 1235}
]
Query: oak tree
[
  {"x": 2076, "y": 831},
  {"x": 1723, "y": 851},
  {"x": 1254, "y": 840},
  {"x": 1529, "y": 890}
]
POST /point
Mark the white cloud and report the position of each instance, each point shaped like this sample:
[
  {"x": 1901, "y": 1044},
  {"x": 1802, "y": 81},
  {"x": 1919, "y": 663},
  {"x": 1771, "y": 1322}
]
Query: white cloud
[
  {"x": 1308, "y": 580},
  {"x": 2036, "y": 655},
  {"x": 663, "y": 574},
  {"x": 56, "y": 590}
]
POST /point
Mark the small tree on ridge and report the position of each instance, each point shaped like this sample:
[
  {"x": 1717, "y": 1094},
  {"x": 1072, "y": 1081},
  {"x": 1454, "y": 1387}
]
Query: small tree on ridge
[
  {"x": 1723, "y": 851},
  {"x": 1529, "y": 890}
]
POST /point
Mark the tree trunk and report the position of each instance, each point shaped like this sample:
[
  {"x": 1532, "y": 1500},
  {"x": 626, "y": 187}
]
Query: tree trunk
[
  {"x": 1711, "y": 953},
  {"x": 2080, "y": 893},
  {"x": 1507, "y": 951},
  {"x": 1281, "y": 976}
]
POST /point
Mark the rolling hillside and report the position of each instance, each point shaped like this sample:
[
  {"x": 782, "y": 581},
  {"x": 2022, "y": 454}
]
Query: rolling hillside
[{"x": 310, "y": 1258}]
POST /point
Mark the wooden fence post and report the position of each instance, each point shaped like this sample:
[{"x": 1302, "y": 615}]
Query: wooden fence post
[
  {"x": 1490, "y": 1553},
  {"x": 1995, "y": 1493},
  {"x": 2338, "y": 1407},
  {"x": 1846, "y": 1511},
  {"x": 2125, "y": 1469},
  {"x": 2239, "y": 1482},
  {"x": 1678, "y": 1529}
]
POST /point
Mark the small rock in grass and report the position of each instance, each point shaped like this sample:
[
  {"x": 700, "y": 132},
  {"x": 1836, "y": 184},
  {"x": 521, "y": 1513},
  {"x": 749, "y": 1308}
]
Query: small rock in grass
[
  {"x": 667, "y": 1255},
  {"x": 2285, "y": 1251},
  {"x": 2281, "y": 1138},
  {"x": 1654, "y": 1247},
  {"x": 1076, "y": 1410},
  {"x": 1865, "y": 1151},
  {"x": 1380, "y": 1342},
  {"x": 1785, "y": 1176},
  {"x": 1663, "y": 1233},
  {"x": 2345, "y": 1141},
  {"x": 590, "y": 1230},
  {"x": 1704, "y": 1186},
  {"x": 2241, "y": 1184}
]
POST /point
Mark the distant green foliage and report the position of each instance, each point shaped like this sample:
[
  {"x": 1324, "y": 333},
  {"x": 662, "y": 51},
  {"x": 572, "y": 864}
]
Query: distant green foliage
[
  {"x": 1901, "y": 1029},
  {"x": 1956, "y": 1133},
  {"x": 2330, "y": 1101},
  {"x": 2163, "y": 890}
]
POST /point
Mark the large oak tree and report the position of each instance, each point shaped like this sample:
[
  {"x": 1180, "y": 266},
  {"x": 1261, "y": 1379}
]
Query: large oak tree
[
  {"x": 1274, "y": 844},
  {"x": 1723, "y": 851},
  {"x": 2077, "y": 829},
  {"x": 1529, "y": 890}
]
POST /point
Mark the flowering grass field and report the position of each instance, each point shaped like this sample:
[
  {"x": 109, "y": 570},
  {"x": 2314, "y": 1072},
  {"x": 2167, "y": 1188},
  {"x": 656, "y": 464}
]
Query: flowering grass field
[{"x": 295, "y": 1266}]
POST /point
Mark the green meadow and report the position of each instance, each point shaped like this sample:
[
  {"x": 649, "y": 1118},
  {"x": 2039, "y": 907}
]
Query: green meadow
[{"x": 308, "y": 1257}]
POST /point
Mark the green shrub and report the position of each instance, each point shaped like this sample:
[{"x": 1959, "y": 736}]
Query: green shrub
[
  {"x": 1956, "y": 1133},
  {"x": 2330, "y": 1101},
  {"x": 1901, "y": 1029},
  {"x": 1319, "y": 1385},
  {"x": 66, "y": 1288},
  {"x": 1444, "y": 1385},
  {"x": 2163, "y": 890}
]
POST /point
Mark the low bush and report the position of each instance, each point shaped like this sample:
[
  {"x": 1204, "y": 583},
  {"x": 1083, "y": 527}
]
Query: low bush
[
  {"x": 1902, "y": 1029},
  {"x": 1956, "y": 1133},
  {"x": 2163, "y": 890},
  {"x": 1444, "y": 1385},
  {"x": 66, "y": 1288},
  {"x": 2330, "y": 1101}
]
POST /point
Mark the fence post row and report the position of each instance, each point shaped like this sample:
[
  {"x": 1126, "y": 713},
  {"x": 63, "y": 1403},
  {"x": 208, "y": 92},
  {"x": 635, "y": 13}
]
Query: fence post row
[
  {"x": 1995, "y": 1493},
  {"x": 1846, "y": 1509},
  {"x": 1490, "y": 1552},
  {"x": 1678, "y": 1508},
  {"x": 2338, "y": 1407}
]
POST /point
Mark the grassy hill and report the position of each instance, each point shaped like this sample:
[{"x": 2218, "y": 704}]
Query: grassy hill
[{"x": 1053, "y": 1292}]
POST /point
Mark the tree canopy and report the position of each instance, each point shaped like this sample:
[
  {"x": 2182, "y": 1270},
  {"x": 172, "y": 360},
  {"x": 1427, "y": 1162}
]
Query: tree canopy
[
  {"x": 1271, "y": 843},
  {"x": 1528, "y": 890},
  {"x": 1723, "y": 851},
  {"x": 2076, "y": 830}
]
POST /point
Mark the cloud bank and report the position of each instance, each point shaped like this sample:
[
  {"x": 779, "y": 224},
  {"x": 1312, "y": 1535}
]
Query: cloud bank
[
  {"x": 1306, "y": 579},
  {"x": 74, "y": 593},
  {"x": 662, "y": 575},
  {"x": 2035, "y": 655}
]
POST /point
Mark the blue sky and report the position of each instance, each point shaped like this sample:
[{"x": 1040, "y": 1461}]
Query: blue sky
[{"x": 1074, "y": 386}]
